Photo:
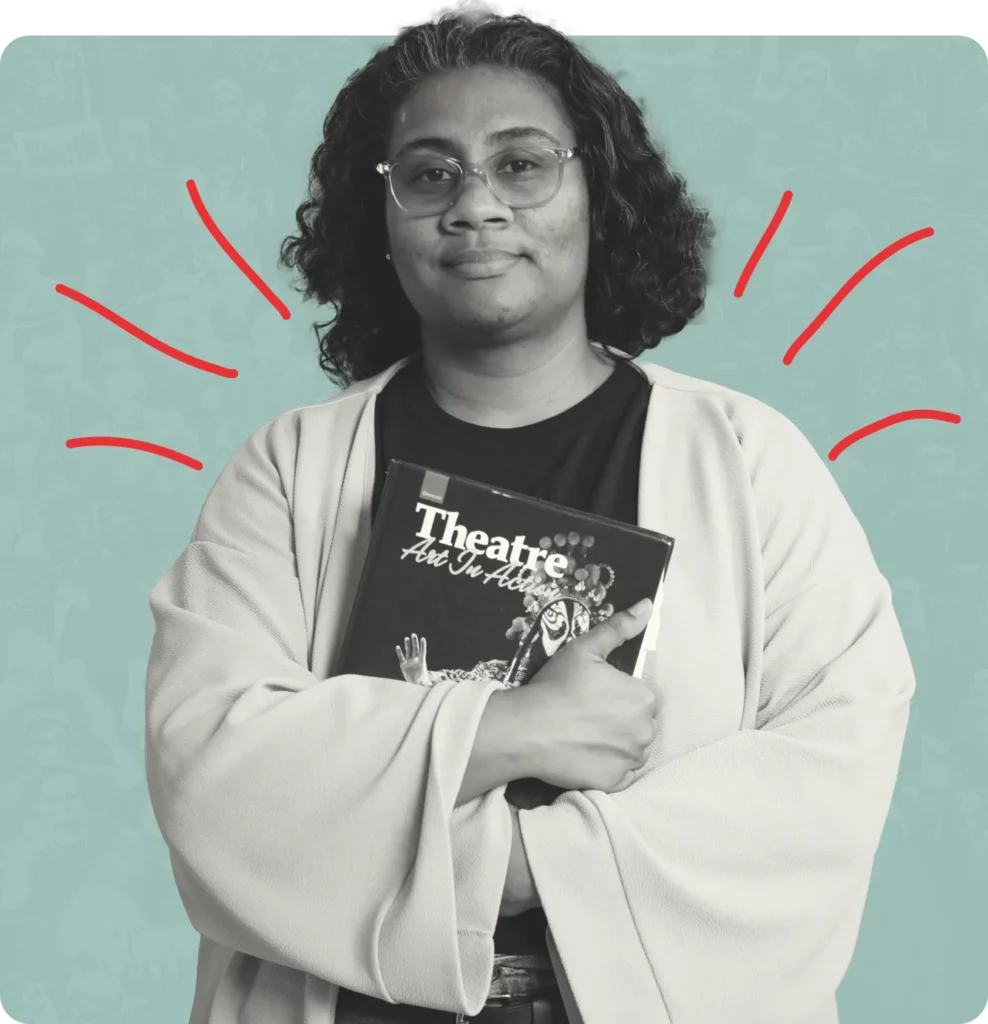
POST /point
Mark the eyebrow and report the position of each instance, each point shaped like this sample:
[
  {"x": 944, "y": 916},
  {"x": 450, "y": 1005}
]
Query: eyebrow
[{"x": 504, "y": 135}]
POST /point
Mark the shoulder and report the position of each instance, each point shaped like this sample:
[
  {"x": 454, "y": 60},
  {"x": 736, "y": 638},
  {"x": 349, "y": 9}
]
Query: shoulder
[
  {"x": 766, "y": 468},
  {"x": 288, "y": 429},
  {"x": 259, "y": 479},
  {"x": 712, "y": 415},
  {"x": 753, "y": 422},
  {"x": 277, "y": 442}
]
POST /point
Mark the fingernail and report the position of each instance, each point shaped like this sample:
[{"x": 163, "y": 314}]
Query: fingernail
[{"x": 640, "y": 607}]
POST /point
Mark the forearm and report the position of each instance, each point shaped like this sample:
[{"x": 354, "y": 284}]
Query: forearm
[{"x": 506, "y": 745}]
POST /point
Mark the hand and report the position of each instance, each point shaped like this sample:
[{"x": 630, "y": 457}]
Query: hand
[
  {"x": 412, "y": 661},
  {"x": 520, "y": 893},
  {"x": 594, "y": 722}
]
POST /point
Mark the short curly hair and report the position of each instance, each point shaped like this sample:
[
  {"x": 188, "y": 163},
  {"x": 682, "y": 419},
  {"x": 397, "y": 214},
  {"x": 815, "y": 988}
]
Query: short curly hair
[{"x": 646, "y": 276}]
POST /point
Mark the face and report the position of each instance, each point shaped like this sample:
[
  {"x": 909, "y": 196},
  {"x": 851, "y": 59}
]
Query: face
[{"x": 542, "y": 278}]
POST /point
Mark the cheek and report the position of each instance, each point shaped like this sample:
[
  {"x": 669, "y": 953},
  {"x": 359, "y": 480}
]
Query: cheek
[
  {"x": 403, "y": 238},
  {"x": 413, "y": 249},
  {"x": 563, "y": 239}
]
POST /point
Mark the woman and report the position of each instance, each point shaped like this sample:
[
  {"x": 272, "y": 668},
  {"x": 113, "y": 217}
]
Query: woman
[{"x": 499, "y": 237}]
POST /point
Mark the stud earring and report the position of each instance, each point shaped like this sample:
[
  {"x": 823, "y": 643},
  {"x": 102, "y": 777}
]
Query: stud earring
[{"x": 387, "y": 256}]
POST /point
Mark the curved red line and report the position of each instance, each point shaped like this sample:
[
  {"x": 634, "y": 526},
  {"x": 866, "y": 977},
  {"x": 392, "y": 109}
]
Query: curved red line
[
  {"x": 148, "y": 339},
  {"x": 888, "y": 421},
  {"x": 228, "y": 248},
  {"x": 849, "y": 285},
  {"x": 130, "y": 442},
  {"x": 767, "y": 236}
]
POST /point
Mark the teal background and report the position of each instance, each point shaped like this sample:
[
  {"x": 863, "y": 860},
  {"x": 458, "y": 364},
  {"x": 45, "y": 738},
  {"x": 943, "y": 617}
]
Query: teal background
[{"x": 875, "y": 137}]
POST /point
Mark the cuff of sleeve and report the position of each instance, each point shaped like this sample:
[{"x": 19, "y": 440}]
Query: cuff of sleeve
[{"x": 437, "y": 945}]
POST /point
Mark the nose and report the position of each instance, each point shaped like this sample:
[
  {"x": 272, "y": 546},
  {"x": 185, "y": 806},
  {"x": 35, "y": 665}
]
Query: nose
[{"x": 476, "y": 205}]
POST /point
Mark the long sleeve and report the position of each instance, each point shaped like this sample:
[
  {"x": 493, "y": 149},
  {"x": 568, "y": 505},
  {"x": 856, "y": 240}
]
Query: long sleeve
[
  {"x": 727, "y": 882},
  {"x": 311, "y": 821}
]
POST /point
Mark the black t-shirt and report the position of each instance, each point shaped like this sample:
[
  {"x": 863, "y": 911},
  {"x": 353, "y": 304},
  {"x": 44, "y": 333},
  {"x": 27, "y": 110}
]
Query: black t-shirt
[{"x": 586, "y": 457}]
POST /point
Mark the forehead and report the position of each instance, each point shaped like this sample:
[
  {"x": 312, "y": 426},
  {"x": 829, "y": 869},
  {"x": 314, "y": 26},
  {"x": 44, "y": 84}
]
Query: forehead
[{"x": 465, "y": 107}]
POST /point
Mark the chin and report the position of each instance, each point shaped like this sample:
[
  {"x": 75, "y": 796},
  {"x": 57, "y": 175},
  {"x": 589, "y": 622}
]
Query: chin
[{"x": 489, "y": 316}]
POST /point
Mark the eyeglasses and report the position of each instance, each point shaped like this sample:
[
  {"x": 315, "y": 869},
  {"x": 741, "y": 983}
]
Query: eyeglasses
[{"x": 519, "y": 178}]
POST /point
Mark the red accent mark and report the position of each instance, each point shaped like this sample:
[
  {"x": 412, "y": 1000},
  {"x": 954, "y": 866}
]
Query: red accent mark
[
  {"x": 888, "y": 421},
  {"x": 114, "y": 318},
  {"x": 225, "y": 245},
  {"x": 848, "y": 285},
  {"x": 773, "y": 226},
  {"x": 129, "y": 442}
]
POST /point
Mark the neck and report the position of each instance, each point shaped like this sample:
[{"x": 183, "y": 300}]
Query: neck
[{"x": 513, "y": 384}]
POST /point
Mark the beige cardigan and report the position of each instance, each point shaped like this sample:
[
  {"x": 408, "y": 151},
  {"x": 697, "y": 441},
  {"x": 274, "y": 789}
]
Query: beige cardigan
[{"x": 310, "y": 817}]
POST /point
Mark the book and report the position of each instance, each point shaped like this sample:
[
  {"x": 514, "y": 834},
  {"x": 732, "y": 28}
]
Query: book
[{"x": 464, "y": 581}]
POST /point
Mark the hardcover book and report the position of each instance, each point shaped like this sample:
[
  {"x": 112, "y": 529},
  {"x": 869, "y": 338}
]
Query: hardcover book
[{"x": 464, "y": 581}]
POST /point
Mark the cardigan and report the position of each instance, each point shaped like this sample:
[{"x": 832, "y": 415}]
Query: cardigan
[{"x": 310, "y": 817}]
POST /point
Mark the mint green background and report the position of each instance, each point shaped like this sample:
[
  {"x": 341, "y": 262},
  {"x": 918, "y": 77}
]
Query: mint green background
[{"x": 876, "y": 138}]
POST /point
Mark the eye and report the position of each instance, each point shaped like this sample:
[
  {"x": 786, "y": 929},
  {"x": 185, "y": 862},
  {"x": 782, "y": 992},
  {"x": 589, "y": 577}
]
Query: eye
[
  {"x": 431, "y": 174},
  {"x": 423, "y": 172},
  {"x": 524, "y": 163}
]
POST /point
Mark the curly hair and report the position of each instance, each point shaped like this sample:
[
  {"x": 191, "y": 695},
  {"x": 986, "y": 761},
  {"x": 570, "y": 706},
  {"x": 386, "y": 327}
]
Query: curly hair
[{"x": 646, "y": 277}]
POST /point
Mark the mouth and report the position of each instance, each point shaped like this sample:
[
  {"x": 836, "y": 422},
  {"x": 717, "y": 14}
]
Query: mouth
[
  {"x": 482, "y": 262},
  {"x": 480, "y": 256}
]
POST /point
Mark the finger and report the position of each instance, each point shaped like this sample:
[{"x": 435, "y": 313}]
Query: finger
[
  {"x": 423, "y": 648},
  {"x": 618, "y": 629},
  {"x": 401, "y": 657},
  {"x": 415, "y": 645},
  {"x": 408, "y": 649}
]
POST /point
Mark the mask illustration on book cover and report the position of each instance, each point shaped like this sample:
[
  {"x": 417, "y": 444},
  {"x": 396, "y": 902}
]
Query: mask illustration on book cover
[{"x": 556, "y": 611}]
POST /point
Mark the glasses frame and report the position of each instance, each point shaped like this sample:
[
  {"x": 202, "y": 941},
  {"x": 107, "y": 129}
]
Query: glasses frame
[{"x": 562, "y": 155}]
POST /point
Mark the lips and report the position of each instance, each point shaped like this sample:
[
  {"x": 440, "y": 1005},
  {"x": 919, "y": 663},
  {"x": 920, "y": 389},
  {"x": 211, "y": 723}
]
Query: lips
[{"x": 480, "y": 256}]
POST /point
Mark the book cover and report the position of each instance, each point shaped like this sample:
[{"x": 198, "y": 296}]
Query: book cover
[{"x": 464, "y": 581}]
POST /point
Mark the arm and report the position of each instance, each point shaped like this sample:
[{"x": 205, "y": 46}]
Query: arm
[
  {"x": 505, "y": 747},
  {"x": 311, "y": 821},
  {"x": 731, "y": 879}
]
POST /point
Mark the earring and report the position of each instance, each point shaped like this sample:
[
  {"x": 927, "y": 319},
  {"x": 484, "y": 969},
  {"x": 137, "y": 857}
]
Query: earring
[{"x": 387, "y": 256}]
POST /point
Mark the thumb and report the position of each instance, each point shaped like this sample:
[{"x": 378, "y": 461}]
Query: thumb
[{"x": 609, "y": 635}]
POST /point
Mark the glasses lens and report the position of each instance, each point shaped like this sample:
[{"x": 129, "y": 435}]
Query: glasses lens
[
  {"x": 518, "y": 177},
  {"x": 423, "y": 183},
  {"x": 525, "y": 177}
]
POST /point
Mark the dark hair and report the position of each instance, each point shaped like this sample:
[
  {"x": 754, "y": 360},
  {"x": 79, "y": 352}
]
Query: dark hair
[{"x": 646, "y": 275}]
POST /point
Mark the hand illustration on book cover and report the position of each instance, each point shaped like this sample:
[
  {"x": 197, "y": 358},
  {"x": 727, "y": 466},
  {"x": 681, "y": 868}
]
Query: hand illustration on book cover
[{"x": 557, "y": 610}]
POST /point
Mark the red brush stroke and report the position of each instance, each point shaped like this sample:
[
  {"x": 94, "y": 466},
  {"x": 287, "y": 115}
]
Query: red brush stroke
[
  {"x": 130, "y": 442},
  {"x": 850, "y": 284},
  {"x": 888, "y": 421},
  {"x": 225, "y": 245},
  {"x": 114, "y": 318},
  {"x": 773, "y": 226}
]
